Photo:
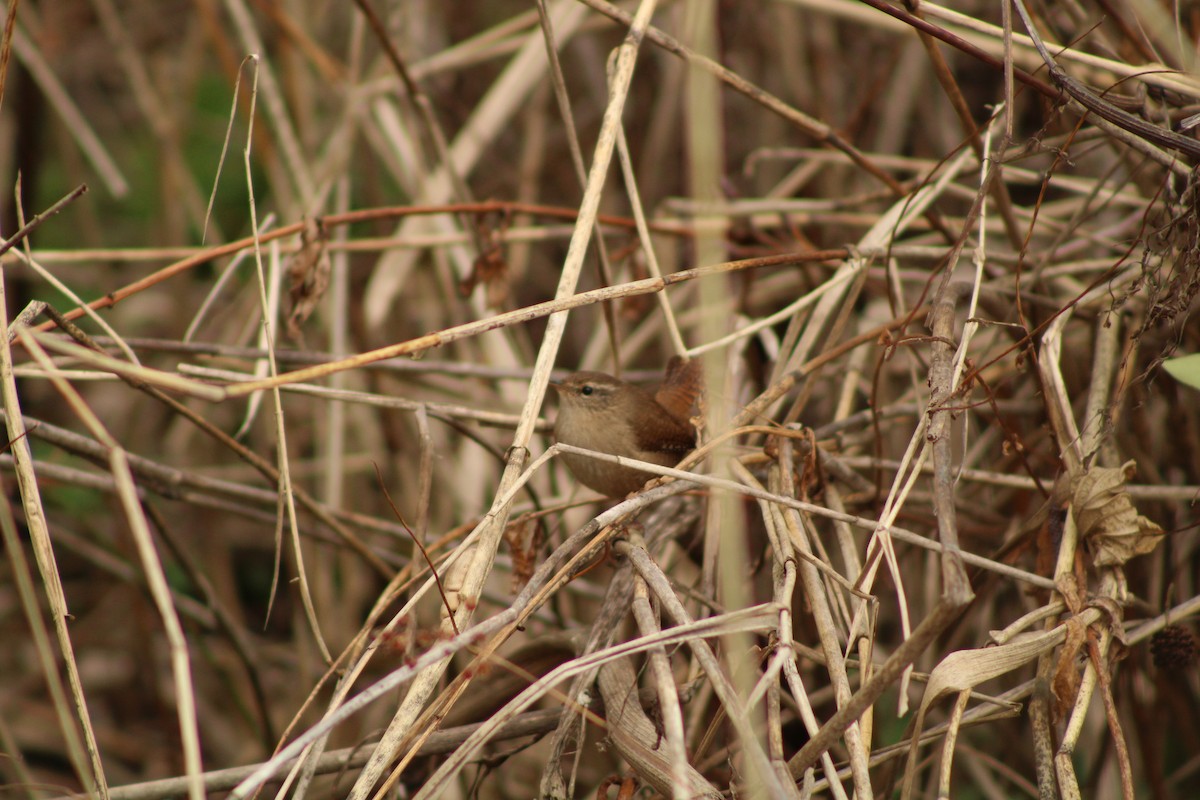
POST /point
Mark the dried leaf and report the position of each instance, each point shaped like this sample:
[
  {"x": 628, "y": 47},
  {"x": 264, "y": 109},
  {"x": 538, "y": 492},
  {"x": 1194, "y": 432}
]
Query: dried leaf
[
  {"x": 1073, "y": 591},
  {"x": 309, "y": 273},
  {"x": 1107, "y": 519},
  {"x": 524, "y": 537},
  {"x": 1067, "y": 675},
  {"x": 965, "y": 669},
  {"x": 490, "y": 267}
]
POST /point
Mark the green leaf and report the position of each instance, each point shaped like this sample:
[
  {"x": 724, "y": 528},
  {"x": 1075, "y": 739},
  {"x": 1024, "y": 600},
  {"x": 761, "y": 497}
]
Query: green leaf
[{"x": 1185, "y": 369}]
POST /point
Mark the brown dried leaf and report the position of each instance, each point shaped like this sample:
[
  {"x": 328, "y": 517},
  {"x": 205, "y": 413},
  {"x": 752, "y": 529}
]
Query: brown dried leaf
[
  {"x": 309, "y": 273},
  {"x": 1067, "y": 674},
  {"x": 491, "y": 267},
  {"x": 1107, "y": 519},
  {"x": 491, "y": 270},
  {"x": 1073, "y": 591},
  {"x": 524, "y": 537},
  {"x": 966, "y": 669}
]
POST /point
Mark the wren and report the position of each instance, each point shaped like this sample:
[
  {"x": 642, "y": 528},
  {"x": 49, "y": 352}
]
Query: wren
[{"x": 602, "y": 413}]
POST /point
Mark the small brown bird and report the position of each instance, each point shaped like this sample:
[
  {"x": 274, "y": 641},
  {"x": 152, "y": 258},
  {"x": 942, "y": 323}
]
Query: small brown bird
[{"x": 602, "y": 413}]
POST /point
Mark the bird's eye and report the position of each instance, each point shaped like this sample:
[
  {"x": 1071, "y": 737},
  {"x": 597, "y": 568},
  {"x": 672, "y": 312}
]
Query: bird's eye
[{"x": 586, "y": 390}]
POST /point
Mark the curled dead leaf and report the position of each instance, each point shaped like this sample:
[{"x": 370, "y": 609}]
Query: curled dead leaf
[
  {"x": 1067, "y": 672},
  {"x": 1107, "y": 519},
  {"x": 524, "y": 538},
  {"x": 965, "y": 669},
  {"x": 308, "y": 270},
  {"x": 491, "y": 270},
  {"x": 491, "y": 267}
]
